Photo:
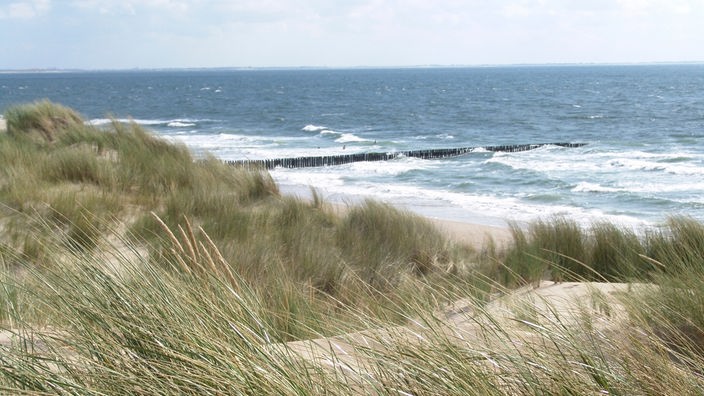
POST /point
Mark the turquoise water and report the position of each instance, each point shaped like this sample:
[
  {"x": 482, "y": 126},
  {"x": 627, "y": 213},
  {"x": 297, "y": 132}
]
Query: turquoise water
[{"x": 644, "y": 126}]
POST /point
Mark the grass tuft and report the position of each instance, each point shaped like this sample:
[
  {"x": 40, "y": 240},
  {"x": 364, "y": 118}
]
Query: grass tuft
[{"x": 41, "y": 121}]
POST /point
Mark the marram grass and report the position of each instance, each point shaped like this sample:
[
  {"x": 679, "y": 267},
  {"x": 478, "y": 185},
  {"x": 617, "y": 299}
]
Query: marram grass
[
  {"x": 129, "y": 267},
  {"x": 191, "y": 325}
]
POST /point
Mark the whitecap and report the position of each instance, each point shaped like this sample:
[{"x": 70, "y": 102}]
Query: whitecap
[
  {"x": 675, "y": 168},
  {"x": 593, "y": 187},
  {"x": 659, "y": 188},
  {"x": 144, "y": 122},
  {"x": 350, "y": 137},
  {"x": 175, "y": 123},
  {"x": 98, "y": 121},
  {"x": 179, "y": 124},
  {"x": 105, "y": 121},
  {"x": 240, "y": 138},
  {"x": 313, "y": 128}
]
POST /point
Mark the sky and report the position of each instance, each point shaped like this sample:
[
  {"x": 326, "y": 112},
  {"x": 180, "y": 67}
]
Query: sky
[{"x": 126, "y": 34}]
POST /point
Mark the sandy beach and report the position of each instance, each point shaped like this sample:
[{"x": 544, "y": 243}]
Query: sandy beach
[
  {"x": 3, "y": 125},
  {"x": 475, "y": 235}
]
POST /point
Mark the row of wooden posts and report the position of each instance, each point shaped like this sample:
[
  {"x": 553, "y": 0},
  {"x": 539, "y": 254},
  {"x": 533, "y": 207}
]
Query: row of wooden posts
[{"x": 331, "y": 160}]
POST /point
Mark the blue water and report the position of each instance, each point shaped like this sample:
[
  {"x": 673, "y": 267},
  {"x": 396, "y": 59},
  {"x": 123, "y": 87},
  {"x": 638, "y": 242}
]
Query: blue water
[{"x": 644, "y": 126}]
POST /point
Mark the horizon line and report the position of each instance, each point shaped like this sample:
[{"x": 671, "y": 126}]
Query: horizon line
[{"x": 359, "y": 67}]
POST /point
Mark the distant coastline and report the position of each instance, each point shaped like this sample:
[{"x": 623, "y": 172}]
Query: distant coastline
[{"x": 359, "y": 67}]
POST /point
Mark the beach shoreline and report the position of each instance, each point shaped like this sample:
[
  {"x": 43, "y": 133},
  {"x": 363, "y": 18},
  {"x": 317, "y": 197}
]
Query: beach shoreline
[{"x": 474, "y": 234}]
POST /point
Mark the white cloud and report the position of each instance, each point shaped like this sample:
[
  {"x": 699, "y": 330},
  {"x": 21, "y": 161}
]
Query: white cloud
[
  {"x": 160, "y": 33},
  {"x": 655, "y": 7},
  {"x": 25, "y": 9},
  {"x": 131, "y": 7}
]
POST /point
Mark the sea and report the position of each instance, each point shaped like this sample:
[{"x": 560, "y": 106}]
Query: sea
[{"x": 643, "y": 126}]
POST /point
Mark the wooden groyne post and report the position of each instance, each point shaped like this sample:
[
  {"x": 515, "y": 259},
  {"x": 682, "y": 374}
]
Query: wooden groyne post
[{"x": 331, "y": 160}]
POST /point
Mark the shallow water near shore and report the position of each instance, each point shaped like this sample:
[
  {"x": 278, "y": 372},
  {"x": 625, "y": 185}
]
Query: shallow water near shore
[{"x": 644, "y": 126}]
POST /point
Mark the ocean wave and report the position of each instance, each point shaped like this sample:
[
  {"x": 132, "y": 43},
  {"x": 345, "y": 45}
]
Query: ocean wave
[
  {"x": 638, "y": 154},
  {"x": 350, "y": 138},
  {"x": 180, "y": 124},
  {"x": 447, "y": 204},
  {"x": 239, "y": 138},
  {"x": 313, "y": 128},
  {"x": 441, "y": 136},
  {"x": 660, "y": 188},
  {"x": 677, "y": 168},
  {"x": 555, "y": 159},
  {"x": 543, "y": 163},
  {"x": 390, "y": 168},
  {"x": 177, "y": 122},
  {"x": 105, "y": 121},
  {"x": 593, "y": 187}
]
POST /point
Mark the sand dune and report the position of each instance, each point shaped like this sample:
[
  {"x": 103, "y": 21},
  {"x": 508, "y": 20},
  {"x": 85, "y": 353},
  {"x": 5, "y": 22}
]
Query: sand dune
[{"x": 515, "y": 322}]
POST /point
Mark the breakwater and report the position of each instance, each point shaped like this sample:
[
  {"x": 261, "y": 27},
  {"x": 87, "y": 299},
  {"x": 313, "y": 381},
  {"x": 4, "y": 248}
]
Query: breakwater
[{"x": 331, "y": 160}]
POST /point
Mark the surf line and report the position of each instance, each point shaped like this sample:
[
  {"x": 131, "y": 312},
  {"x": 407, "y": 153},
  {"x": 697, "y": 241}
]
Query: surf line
[{"x": 332, "y": 160}]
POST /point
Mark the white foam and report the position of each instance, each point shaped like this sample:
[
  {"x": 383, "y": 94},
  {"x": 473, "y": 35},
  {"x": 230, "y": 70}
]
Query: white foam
[
  {"x": 663, "y": 187},
  {"x": 525, "y": 161},
  {"x": 143, "y": 122},
  {"x": 98, "y": 121},
  {"x": 681, "y": 169},
  {"x": 315, "y": 178},
  {"x": 442, "y": 136},
  {"x": 388, "y": 168},
  {"x": 105, "y": 121},
  {"x": 350, "y": 137},
  {"x": 313, "y": 128},
  {"x": 553, "y": 159},
  {"x": 174, "y": 123},
  {"x": 179, "y": 124},
  {"x": 451, "y": 205},
  {"x": 593, "y": 187}
]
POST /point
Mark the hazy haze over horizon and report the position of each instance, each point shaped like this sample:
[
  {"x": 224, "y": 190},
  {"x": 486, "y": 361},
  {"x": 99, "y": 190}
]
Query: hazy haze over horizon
[{"x": 110, "y": 34}]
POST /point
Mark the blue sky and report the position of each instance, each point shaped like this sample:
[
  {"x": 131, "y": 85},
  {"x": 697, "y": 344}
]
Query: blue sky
[{"x": 112, "y": 34}]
